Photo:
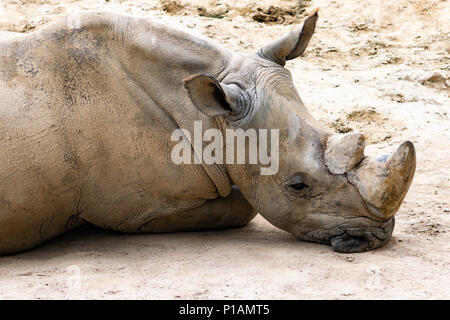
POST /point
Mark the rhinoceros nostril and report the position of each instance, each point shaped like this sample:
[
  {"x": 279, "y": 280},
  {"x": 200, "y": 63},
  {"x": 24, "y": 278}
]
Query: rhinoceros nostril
[
  {"x": 354, "y": 240},
  {"x": 349, "y": 244}
]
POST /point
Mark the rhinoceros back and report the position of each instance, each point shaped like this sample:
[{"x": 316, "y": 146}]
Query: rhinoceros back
[{"x": 81, "y": 141}]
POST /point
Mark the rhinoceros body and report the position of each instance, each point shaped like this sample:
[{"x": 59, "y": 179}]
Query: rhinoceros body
[{"x": 87, "y": 108}]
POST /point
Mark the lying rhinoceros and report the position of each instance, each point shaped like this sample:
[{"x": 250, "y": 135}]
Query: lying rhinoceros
[{"x": 87, "y": 109}]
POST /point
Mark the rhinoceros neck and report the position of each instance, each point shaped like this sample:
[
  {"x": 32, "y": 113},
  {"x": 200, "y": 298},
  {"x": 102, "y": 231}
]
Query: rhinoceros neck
[
  {"x": 158, "y": 58},
  {"x": 148, "y": 60}
]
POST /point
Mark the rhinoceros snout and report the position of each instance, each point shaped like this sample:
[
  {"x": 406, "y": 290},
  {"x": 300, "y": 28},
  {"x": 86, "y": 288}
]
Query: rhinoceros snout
[{"x": 354, "y": 241}]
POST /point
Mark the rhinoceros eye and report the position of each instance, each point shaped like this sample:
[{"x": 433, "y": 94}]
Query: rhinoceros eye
[{"x": 298, "y": 185}]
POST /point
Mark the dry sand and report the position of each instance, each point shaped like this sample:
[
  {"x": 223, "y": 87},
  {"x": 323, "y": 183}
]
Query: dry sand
[{"x": 379, "y": 67}]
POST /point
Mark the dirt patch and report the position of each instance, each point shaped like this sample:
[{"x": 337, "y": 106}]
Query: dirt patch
[
  {"x": 340, "y": 126},
  {"x": 430, "y": 229},
  {"x": 172, "y": 6},
  {"x": 367, "y": 121},
  {"x": 367, "y": 117},
  {"x": 287, "y": 13},
  {"x": 274, "y": 14}
]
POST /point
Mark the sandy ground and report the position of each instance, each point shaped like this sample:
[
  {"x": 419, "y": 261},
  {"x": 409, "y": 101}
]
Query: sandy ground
[{"x": 379, "y": 67}]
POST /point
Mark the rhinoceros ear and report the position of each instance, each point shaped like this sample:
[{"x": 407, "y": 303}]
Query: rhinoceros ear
[
  {"x": 292, "y": 45},
  {"x": 210, "y": 96},
  {"x": 344, "y": 151}
]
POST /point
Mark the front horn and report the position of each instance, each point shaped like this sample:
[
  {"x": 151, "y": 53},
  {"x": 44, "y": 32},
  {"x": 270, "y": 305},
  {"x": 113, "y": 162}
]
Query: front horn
[{"x": 384, "y": 185}]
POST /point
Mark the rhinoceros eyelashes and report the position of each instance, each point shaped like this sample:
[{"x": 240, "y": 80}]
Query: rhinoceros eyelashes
[{"x": 297, "y": 184}]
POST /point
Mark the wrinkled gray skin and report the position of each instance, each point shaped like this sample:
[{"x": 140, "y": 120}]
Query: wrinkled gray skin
[{"x": 87, "y": 107}]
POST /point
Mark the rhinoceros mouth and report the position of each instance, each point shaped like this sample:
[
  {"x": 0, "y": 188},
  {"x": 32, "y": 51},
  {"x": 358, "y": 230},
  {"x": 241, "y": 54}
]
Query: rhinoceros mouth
[{"x": 359, "y": 240}]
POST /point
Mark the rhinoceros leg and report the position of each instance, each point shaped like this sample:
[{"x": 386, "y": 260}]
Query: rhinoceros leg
[
  {"x": 229, "y": 212},
  {"x": 19, "y": 233}
]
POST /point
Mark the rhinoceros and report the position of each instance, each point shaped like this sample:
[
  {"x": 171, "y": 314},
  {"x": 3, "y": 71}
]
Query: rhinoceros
[{"x": 87, "y": 108}]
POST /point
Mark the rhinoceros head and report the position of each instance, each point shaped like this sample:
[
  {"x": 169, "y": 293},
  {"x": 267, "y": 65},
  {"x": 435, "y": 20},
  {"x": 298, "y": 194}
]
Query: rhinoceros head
[{"x": 326, "y": 190}]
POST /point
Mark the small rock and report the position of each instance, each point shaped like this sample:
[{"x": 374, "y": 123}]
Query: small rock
[
  {"x": 399, "y": 98},
  {"x": 217, "y": 12},
  {"x": 350, "y": 258},
  {"x": 27, "y": 27},
  {"x": 373, "y": 51},
  {"x": 359, "y": 27},
  {"x": 436, "y": 77},
  {"x": 259, "y": 17}
]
